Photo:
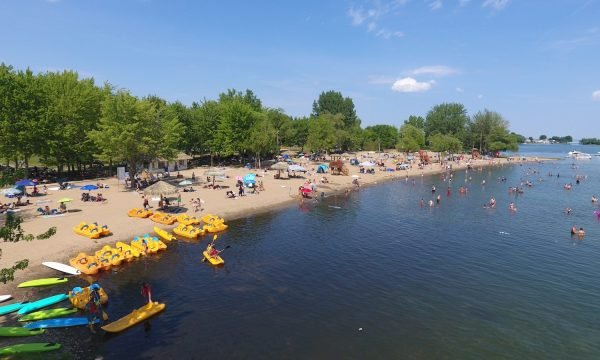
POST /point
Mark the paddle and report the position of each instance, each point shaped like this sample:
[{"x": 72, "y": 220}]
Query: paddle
[{"x": 220, "y": 251}]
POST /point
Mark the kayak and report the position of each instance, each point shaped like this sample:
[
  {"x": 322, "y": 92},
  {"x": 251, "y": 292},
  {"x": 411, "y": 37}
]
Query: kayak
[
  {"x": 79, "y": 297},
  {"x": 164, "y": 234},
  {"x": 47, "y": 314},
  {"x": 19, "y": 331},
  {"x": 42, "y": 303},
  {"x": 42, "y": 282},
  {"x": 28, "y": 348},
  {"x": 7, "y": 309},
  {"x": 215, "y": 260},
  {"x": 135, "y": 317},
  {"x": 59, "y": 322},
  {"x": 62, "y": 267},
  {"x": 3, "y": 298}
]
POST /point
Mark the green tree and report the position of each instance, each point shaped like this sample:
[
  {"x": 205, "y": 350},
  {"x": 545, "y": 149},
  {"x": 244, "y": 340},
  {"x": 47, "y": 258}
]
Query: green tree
[
  {"x": 262, "y": 139},
  {"x": 442, "y": 143},
  {"x": 281, "y": 123},
  {"x": 543, "y": 137},
  {"x": 381, "y": 136},
  {"x": 247, "y": 97},
  {"x": 416, "y": 121},
  {"x": 134, "y": 131},
  {"x": 236, "y": 118},
  {"x": 322, "y": 133},
  {"x": 299, "y": 133},
  {"x": 333, "y": 102},
  {"x": 411, "y": 138},
  {"x": 447, "y": 119}
]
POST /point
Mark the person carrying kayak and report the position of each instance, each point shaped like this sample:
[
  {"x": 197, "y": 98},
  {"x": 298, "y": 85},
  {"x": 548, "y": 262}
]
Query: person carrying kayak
[
  {"x": 147, "y": 292},
  {"x": 94, "y": 307}
]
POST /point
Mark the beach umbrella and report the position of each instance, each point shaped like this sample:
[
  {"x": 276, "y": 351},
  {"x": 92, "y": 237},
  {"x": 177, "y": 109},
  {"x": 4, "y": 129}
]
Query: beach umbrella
[
  {"x": 12, "y": 192},
  {"x": 160, "y": 188},
  {"x": 214, "y": 173},
  {"x": 88, "y": 187},
  {"x": 63, "y": 200},
  {"x": 185, "y": 183},
  {"x": 280, "y": 166},
  {"x": 295, "y": 167},
  {"x": 366, "y": 164},
  {"x": 25, "y": 182}
]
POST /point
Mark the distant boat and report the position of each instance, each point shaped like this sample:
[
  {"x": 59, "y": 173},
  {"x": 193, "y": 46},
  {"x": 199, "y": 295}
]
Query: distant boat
[
  {"x": 597, "y": 154},
  {"x": 578, "y": 155}
]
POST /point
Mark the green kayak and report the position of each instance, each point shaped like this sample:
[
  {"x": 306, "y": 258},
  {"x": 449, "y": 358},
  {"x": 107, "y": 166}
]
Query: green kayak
[
  {"x": 43, "y": 282},
  {"x": 18, "y": 331},
  {"x": 47, "y": 314},
  {"x": 28, "y": 348}
]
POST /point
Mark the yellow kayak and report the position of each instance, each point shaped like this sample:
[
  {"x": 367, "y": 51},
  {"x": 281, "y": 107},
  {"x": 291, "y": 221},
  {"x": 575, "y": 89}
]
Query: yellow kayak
[
  {"x": 164, "y": 234},
  {"x": 135, "y": 317},
  {"x": 215, "y": 260},
  {"x": 209, "y": 219}
]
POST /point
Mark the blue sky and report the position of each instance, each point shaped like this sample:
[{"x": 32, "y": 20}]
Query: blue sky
[{"x": 537, "y": 62}]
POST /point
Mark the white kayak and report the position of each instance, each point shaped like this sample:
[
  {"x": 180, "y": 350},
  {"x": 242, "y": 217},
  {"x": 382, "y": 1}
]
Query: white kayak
[
  {"x": 62, "y": 267},
  {"x": 5, "y": 297}
]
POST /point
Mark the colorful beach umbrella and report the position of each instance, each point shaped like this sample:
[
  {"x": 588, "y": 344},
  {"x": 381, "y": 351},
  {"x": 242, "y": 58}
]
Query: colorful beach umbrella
[
  {"x": 63, "y": 200},
  {"x": 88, "y": 187}
]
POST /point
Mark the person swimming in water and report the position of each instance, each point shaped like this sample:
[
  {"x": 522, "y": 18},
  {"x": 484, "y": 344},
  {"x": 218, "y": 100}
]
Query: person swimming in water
[{"x": 574, "y": 230}]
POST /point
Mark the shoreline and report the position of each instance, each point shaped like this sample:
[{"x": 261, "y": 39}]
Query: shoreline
[{"x": 278, "y": 196}]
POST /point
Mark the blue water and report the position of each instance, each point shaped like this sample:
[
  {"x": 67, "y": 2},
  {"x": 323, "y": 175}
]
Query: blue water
[{"x": 454, "y": 281}]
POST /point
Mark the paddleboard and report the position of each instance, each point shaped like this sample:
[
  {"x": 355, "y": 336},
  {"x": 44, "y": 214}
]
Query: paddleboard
[
  {"x": 59, "y": 322},
  {"x": 36, "y": 305},
  {"x": 4, "y": 297},
  {"x": 42, "y": 282},
  {"x": 28, "y": 348},
  {"x": 19, "y": 331},
  {"x": 135, "y": 317},
  {"x": 62, "y": 267},
  {"x": 47, "y": 314},
  {"x": 7, "y": 309}
]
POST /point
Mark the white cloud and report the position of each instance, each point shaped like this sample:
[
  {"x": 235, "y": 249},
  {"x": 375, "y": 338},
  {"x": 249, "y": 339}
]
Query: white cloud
[
  {"x": 358, "y": 16},
  {"x": 409, "y": 84},
  {"x": 596, "y": 95},
  {"x": 380, "y": 80},
  {"x": 378, "y": 9},
  {"x": 398, "y": 34},
  {"x": 480, "y": 96},
  {"x": 495, "y": 4},
  {"x": 434, "y": 70},
  {"x": 460, "y": 90},
  {"x": 371, "y": 26},
  {"x": 436, "y": 4}
]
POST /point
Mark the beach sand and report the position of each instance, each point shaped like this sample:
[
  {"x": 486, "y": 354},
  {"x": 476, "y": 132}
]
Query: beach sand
[{"x": 113, "y": 212}]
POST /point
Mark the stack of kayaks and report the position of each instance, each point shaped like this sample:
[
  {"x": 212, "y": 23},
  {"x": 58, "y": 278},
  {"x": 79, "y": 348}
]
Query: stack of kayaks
[
  {"x": 188, "y": 231},
  {"x": 185, "y": 219},
  {"x": 42, "y": 282},
  {"x": 28, "y": 348},
  {"x": 135, "y": 317},
  {"x": 93, "y": 231},
  {"x": 163, "y": 218},
  {"x": 164, "y": 234},
  {"x": 139, "y": 213},
  {"x": 79, "y": 297}
]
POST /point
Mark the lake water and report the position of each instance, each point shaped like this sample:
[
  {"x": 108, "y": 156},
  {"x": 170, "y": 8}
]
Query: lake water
[{"x": 454, "y": 281}]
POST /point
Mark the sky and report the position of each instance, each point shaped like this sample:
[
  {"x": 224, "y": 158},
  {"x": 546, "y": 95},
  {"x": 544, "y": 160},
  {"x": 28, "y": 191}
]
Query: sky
[{"x": 536, "y": 62}]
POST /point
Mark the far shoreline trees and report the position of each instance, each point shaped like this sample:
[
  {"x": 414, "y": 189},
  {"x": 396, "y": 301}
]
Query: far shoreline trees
[{"x": 63, "y": 121}]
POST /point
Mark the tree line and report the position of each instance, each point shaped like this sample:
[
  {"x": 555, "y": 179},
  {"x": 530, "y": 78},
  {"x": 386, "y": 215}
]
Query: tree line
[{"x": 68, "y": 122}]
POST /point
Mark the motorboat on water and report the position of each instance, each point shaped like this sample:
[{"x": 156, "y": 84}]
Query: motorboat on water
[{"x": 578, "y": 155}]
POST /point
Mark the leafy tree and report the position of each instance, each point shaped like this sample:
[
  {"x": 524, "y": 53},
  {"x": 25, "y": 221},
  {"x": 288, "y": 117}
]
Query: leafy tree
[
  {"x": 445, "y": 143},
  {"x": 299, "y": 133},
  {"x": 262, "y": 138},
  {"x": 530, "y": 138},
  {"x": 281, "y": 123},
  {"x": 411, "y": 138},
  {"x": 589, "y": 141},
  {"x": 333, "y": 102},
  {"x": 416, "y": 121},
  {"x": 322, "y": 133},
  {"x": 543, "y": 137},
  {"x": 486, "y": 123},
  {"x": 248, "y": 97},
  {"x": 134, "y": 131},
  {"x": 236, "y": 118},
  {"x": 204, "y": 123},
  {"x": 520, "y": 138},
  {"x": 189, "y": 143},
  {"x": 382, "y": 136},
  {"x": 447, "y": 119}
]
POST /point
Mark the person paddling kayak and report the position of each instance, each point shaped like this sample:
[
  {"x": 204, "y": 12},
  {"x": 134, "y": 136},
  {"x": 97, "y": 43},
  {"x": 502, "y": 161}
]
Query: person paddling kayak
[{"x": 212, "y": 252}]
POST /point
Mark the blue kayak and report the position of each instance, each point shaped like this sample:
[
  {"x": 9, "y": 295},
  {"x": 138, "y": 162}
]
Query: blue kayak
[
  {"x": 7, "y": 309},
  {"x": 59, "y": 322},
  {"x": 42, "y": 303}
]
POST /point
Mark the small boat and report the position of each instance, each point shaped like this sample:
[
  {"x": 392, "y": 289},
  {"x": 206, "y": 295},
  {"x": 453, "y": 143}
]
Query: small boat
[
  {"x": 42, "y": 303},
  {"x": 215, "y": 260},
  {"x": 59, "y": 323},
  {"x": 578, "y": 155},
  {"x": 42, "y": 282},
  {"x": 135, "y": 317},
  {"x": 47, "y": 314},
  {"x": 164, "y": 234},
  {"x": 19, "y": 331},
  {"x": 28, "y": 348}
]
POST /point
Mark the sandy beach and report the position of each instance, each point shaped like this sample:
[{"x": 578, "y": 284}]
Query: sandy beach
[{"x": 113, "y": 212}]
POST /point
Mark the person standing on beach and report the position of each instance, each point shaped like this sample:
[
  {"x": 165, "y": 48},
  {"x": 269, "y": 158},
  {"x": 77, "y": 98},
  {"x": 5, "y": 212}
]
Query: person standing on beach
[
  {"x": 178, "y": 199},
  {"x": 146, "y": 203}
]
